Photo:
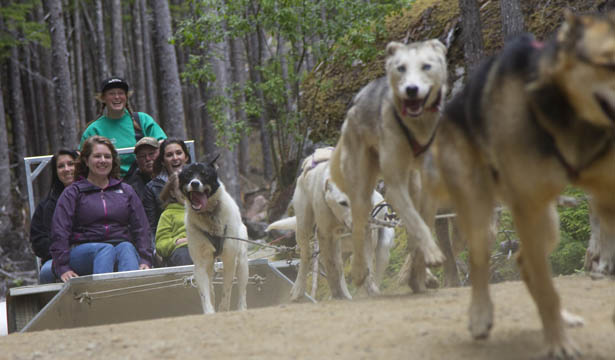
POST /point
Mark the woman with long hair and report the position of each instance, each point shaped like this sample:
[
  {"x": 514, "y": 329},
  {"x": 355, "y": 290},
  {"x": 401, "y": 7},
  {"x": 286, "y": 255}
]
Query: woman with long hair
[
  {"x": 172, "y": 158},
  {"x": 99, "y": 223},
  {"x": 119, "y": 123},
  {"x": 63, "y": 174}
]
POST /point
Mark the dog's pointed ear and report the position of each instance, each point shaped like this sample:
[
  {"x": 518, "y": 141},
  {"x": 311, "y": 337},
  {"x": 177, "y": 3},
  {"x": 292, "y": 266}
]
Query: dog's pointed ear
[
  {"x": 437, "y": 45},
  {"x": 326, "y": 187},
  {"x": 170, "y": 189},
  {"x": 567, "y": 27},
  {"x": 392, "y": 47},
  {"x": 213, "y": 162}
]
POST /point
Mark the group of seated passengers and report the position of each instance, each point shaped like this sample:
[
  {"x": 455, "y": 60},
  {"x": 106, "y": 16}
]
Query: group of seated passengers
[{"x": 91, "y": 221}]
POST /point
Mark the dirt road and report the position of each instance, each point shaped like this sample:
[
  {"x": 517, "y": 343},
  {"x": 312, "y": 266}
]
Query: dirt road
[{"x": 427, "y": 326}]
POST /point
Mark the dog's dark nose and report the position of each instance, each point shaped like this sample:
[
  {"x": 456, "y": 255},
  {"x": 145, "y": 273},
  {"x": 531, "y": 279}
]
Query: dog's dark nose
[
  {"x": 412, "y": 91},
  {"x": 194, "y": 184}
]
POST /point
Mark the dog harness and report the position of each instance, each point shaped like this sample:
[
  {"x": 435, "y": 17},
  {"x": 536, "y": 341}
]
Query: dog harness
[
  {"x": 417, "y": 148},
  {"x": 216, "y": 241},
  {"x": 317, "y": 160},
  {"x": 564, "y": 112}
]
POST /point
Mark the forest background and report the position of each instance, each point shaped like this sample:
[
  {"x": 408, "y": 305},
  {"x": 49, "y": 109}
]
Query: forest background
[{"x": 260, "y": 82}]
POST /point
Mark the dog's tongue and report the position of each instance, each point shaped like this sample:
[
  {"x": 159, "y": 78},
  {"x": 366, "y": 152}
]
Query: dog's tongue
[
  {"x": 198, "y": 200},
  {"x": 412, "y": 106}
]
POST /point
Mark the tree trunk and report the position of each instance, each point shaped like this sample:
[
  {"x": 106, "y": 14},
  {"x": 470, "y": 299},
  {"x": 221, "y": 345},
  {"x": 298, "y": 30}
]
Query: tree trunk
[
  {"x": 512, "y": 19},
  {"x": 451, "y": 275},
  {"x": 17, "y": 111},
  {"x": 118, "y": 60},
  {"x": 138, "y": 77},
  {"x": 47, "y": 96},
  {"x": 91, "y": 64},
  {"x": 79, "y": 73},
  {"x": 30, "y": 99},
  {"x": 254, "y": 52},
  {"x": 150, "y": 81},
  {"x": 238, "y": 66},
  {"x": 219, "y": 55},
  {"x": 172, "y": 112},
  {"x": 208, "y": 130},
  {"x": 62, "y": 79},
  {"x": 90, "y": 82},
  {"x": 471, "y": 33},
  {"x": 5, "y": 175},
  {"x": 39, "y": 83},
  {"x": 100, "y": 43}
]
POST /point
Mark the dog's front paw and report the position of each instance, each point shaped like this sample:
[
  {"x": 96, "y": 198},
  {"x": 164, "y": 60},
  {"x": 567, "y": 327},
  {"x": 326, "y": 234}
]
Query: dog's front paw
[
  {"x": 297, "y": 292},
  {"x": 572, "y": 320},
  {"x": 433, "y": 254},
  {"x": 431, "y": 281},
  {"x": 566, "y": 350},
  {"x": 371, "y": 287},
  {"x": 481, "y": 320}
]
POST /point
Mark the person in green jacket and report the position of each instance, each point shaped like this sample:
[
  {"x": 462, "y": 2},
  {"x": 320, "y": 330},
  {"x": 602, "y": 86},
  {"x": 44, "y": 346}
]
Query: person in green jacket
[
  {"x": 171, "y": 241},
  {"x": 119, "y": 123}
]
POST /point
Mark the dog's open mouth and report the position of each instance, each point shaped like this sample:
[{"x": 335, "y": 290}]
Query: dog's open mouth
[
  {"x": 413, "y": 107},
  {"x": 198, "y": 200},
  {"x": 606, "y": 107}
]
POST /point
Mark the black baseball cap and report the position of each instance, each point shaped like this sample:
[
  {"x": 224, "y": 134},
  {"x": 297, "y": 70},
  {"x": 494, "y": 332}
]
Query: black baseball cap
[{"x": 112, "y": 83}]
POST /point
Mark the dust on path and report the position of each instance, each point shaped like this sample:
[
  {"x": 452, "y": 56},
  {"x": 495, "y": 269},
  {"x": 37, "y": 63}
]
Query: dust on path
[{"x": 426, "y": 326}]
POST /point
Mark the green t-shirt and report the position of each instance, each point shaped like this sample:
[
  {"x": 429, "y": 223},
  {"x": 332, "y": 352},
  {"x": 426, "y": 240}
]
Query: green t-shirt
[{"x": 121, "y": 132}]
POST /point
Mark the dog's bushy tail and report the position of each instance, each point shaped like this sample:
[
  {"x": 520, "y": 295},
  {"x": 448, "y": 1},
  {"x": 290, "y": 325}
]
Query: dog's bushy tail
[
  {"x": 335, "y": 168},
  {"x": 289, "y": 223}
]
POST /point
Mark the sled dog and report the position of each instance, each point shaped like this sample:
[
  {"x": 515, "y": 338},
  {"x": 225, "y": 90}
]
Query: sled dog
[
  {"x": 320, "y": 206},
  {"x": 530, "y": 121},
  {"x": 390, "y": 125},
  {"x": 212, "y": 215}
]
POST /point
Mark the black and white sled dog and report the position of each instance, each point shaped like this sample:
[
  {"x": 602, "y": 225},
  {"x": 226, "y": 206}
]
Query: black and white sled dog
[{"x": 211, "y": 216}]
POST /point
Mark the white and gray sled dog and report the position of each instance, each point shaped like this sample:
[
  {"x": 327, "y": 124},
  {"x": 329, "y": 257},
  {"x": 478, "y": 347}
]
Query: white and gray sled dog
[
  {"x": 212, "y": 215},
  {"x": 320, "y": 206},
  {"x": 389, "y": 127}
]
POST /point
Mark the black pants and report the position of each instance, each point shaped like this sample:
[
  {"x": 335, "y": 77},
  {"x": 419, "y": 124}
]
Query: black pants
[{"x": 180, "y": 256}]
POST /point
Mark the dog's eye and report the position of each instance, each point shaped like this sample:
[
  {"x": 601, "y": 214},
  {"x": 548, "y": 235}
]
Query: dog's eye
[
  {"x": 344, "y": 203},
  {"x": 426, "y": 67},
  {"x": 401, "y": 68}
]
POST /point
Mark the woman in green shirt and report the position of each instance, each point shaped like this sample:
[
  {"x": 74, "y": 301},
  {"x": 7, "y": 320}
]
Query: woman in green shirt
[{"x": 119, "y": 123}]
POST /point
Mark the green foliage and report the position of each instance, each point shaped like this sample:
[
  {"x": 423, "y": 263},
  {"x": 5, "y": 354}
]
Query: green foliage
[
  {"x": 17, "y": 29},
  {"x": 568, "y": 257},
  {"x": 290, "y": 29},
  {"x": 575, "y": 231},
  {"x": 574, "y": 221},
  {"x": 396, "y": 260}
]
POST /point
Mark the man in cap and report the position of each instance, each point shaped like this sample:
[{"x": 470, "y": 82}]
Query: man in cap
[
  {"x": 119, "y": 123},
  {"x": 146, "y": 151}
]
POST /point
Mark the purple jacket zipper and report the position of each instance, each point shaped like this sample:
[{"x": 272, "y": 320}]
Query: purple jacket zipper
[{"x": 102, "y": 196}]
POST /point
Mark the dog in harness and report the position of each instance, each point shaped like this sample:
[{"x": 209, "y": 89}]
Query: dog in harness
[{"x": 211, "y": 216}]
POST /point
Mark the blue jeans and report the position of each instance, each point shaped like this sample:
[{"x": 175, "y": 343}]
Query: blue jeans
[
  {"x": 46, "y": 275},
  {"x": 126, "y": 257},
  {"x": 99, "y": 258}
]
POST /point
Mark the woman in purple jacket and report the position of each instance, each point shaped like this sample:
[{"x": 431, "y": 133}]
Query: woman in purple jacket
[{"x": 99, "y": 223}]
